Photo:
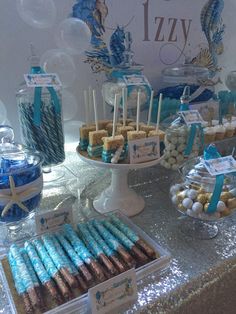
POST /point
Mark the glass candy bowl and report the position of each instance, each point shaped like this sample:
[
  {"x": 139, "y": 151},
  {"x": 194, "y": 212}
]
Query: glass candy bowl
[{"x": 193, "y": 195}]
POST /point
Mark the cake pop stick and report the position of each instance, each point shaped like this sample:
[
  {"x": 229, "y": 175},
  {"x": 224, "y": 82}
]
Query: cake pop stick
[
  {"x": 133, "y": 249},
  {"x": 104, "y": 106},
  {"x": 58, "y": 260},
  {"x": 41, "y": 272},
  {"x": 51, "y": 268},
  {"x": 115, "y": 115},
  {"x": 83, "y": 252},
  {"x": 138, "y": 111},
  {"x": 113, "y": 243},
  {"x": 86, "y": 105},
  {"x": 90, "y": 102},
  {"x": 24, "y": 275},
  {"x": 150, "y": 108},
  {"x": 96, "y": 249},
  {"x": 159, "y": 112},
  {"x": 133, "y": 236},
  {"x": 20, "y": 288},
  {"x": 95, "y": 109},
  {"x": 75, "y": 258},
  {"x": 108, "y": 251},
  {"x": 124, "y": 102}
]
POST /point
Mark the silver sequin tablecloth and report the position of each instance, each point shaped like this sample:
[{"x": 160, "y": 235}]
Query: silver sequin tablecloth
[{"x": 202, "y": 273}]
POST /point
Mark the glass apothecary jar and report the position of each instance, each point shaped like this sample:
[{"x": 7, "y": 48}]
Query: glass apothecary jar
[{"x": 193, "y": 197}]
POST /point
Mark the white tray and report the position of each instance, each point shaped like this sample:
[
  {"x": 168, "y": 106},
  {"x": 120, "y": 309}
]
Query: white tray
[{"x": 80, "y": 304}]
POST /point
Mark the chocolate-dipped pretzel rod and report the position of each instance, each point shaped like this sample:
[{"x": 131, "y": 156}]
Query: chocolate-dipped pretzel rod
[
  {"x": 58, "y": 260},
  {"x": 108, "y": 251},
  {"x": 96, "y": 249},
  {"x": 25, "y": 276},
  {"x": 83, "y": 252},
  {"x": 51, "y": 268},
  {"x": 114, "y": 243},
  {"x": 32, "y": 275},
  {"x": 41, "y": 272},
  {"x": 75, "y": 258},
  {"x": 133, "y": 236},
  {"x": 20, "y": 288},
  {"x": 134, "y": 250}
]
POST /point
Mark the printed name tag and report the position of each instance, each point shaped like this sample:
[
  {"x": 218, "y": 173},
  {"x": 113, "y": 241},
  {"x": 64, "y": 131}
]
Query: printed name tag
[
  {"x": 42, "y": 80},
  {"x": 145, "y": 149},
  {"x": 220, "y": 165},
  {"x": 191, "y": 117},
  {"x": 135, "y": 79},
  {"x": 50, "y": 220},
  {"x": 113, "y": 293}
]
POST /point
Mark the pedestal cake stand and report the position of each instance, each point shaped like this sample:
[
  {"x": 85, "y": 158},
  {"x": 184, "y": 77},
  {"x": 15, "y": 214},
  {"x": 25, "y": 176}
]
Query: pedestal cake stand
[{"x": 118, "y": 195}]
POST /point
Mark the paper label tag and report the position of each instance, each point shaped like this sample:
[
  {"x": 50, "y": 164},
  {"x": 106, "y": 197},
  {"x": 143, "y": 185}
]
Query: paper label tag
[
  {"x": 221, "y": 165},
  {"x": 135, "y": 79},
  {"x": 113, "y": 293},
  {"x": 50, "y": 220},
  {"x": 145, "y": 149},
  {"x": 191, "y": 117},
  {"x": 42, "y": 80}
]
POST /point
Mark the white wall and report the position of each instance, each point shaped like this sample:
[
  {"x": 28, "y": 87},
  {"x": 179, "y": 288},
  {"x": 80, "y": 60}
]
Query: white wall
[{"x": 15, "y": 37}]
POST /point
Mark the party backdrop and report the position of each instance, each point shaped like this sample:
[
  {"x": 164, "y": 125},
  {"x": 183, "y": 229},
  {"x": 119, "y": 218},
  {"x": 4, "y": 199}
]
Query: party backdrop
[{"x": 164, "y": 33}]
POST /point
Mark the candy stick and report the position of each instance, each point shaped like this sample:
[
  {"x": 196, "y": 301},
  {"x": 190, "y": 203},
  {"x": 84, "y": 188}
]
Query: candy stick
[
  {"x": 96, "y": 249},
  {"x": 41, "y": 272},
  {"x": 95, "y": 109},
  {"x": 20, "y": 288},
  {"x": 75, "y": 258},
  {"x": 150, "y": 108},
  {"x": 58, "y": 260},
  {"x": 115, "y": 115},
  {"x": 126, "y": 242},
  {"x": 25, "y": 276},
  {"x": 86, "y": 105},
  {"x": 113, "y": 243},
  {"x": 83, "y": 252},
  {"x": 133, "y": 236},
  {"x": 138, "y": 111},
  {"x": 33, "y": 275},
  {"x": 159, "y": 112},
  {"x": 124, "y": 101},
  {"x": 51, "y": 268},
  {"x": 90, "y": 102},
  {"x": 108, "y": 251}
]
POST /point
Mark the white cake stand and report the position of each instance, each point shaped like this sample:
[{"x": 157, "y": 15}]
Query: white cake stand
[{"x": 118, "y": 195}]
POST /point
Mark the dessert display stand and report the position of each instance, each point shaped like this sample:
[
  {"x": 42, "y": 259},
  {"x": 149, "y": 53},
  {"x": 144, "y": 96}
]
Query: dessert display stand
[{"x": 118, "y": 195}]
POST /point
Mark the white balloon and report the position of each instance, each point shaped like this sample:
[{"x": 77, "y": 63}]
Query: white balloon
[
  {"x": 3, "y": 113},
  {"x": 73, "y": 34},
  {"x": 69, "y": 105},
  {"x": 60, "y": 62},
  {"x": 37, "y": 13}
]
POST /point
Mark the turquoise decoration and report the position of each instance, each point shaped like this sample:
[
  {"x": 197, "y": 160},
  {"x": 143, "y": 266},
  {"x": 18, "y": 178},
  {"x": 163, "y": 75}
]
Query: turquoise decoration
[
  {"x": 108, "y": 251},
  {"x": 46, "y": 259},
  {"x": 124, "y": 228},
  {"x": 118, "y": 234},
  {"x": 69, "y": 265},
  {"x": 69, "y": 250},
  {"x": 20, "y": 288},
  {"x": 78, "y": 245},
  {"x": 37, "y": 264},
  {"x": 95, "y": 151},
  {"x": 83, "y": 144},
  {"x": 88, "y": 239},
  {"x": 107, "y": 155},
  {"x": 107, "y": 236},
  {"x": 192, "y": 136},
  {"x": 212, "y": 153},
  {"x": 29, "y": 267},
  {"x": 21, "y": 267}
]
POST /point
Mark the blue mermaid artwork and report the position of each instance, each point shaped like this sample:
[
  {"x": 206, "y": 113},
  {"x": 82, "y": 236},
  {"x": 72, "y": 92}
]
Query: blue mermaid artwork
[{"x": 100, "y": 57}]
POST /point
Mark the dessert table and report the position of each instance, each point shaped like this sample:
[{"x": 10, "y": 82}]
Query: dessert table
[{"x": 201, "y": 277}]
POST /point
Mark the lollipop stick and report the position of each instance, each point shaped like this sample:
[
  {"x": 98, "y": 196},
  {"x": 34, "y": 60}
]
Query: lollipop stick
[
  {"x": 90, "y": 102},
  {"x": 159, "y": 112},
  {"x": 150, "y": 108},
  {"x": 138, "y": 111},
  {"x": 115, "y": 115},
  {"x": 104, "y": 106},
  {"x": 86, "y": 104},
  {"x": 95, "y": 109},
  {"x": 124, "y": 100}
]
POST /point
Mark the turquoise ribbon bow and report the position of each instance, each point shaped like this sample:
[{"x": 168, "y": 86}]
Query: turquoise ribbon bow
[
  {"x": 37, "y": 98},
  {"x": 192, "y": 135},
  {"x": 211, "y": 153}
]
